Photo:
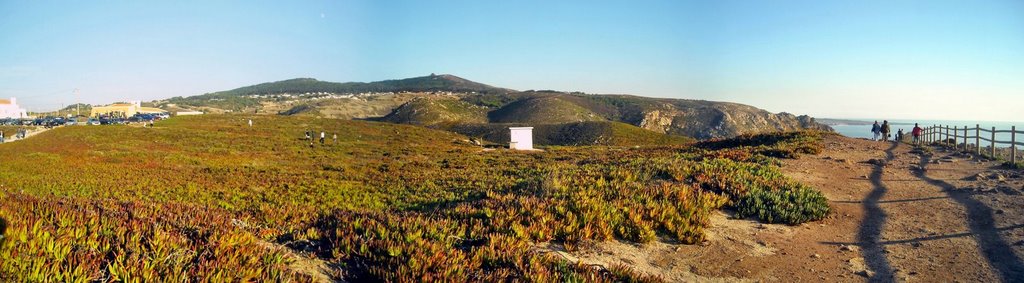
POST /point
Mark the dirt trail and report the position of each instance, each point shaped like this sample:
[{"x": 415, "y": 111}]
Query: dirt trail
[
  {"x": 9, "y": 137},
  {"x": 899, "y": 215}
]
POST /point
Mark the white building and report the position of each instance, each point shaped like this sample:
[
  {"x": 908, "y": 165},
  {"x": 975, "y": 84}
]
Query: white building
[
  {"x": 522, "y": 138},
  {"x": 10, "y": 109}
]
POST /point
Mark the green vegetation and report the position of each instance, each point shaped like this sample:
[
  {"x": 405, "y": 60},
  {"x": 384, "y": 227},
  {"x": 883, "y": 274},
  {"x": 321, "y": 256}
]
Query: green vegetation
[
  {"x": 439, "y": 110},
  {"x": 572, "y": 134},
  {"x": 205, "y": 198},
  {"x": 543, "y": 110}
]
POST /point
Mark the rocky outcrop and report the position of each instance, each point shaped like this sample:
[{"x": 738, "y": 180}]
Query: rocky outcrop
[{"x": 706, "y": 119}]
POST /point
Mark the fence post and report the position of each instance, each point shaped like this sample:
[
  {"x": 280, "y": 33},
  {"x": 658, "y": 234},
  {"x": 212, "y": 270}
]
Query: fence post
[
  {"x": 977, "y": 139},
  {"x": 993, "y": 157},
  {"x": 1013, "y": 144},
  {"x": 945, "y": 140},
  {"x": 955, "y": 134},
  {"x": 966, "y": 149}
]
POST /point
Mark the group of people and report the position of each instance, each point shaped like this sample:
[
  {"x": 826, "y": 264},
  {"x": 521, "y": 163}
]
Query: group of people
[
  {"x": 883, "y": 131},
  {"x": 19, "y": 135},
  {"x": 310, "y": 135}
]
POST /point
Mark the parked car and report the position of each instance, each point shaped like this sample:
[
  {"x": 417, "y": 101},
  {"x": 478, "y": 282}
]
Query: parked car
[{"x": 93, "y": 121}]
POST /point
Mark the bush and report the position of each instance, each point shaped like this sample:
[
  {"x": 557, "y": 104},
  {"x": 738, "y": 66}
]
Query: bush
[{"x": 793, "y": 204}]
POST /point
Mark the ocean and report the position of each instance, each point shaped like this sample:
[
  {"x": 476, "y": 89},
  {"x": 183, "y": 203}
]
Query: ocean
[{"x": 864, "y": 131}]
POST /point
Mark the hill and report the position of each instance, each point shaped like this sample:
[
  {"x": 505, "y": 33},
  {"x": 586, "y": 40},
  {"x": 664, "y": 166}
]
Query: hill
[
  {"x": 551, "y": 109},
  {"x": 247, "y": 97},
  {"x": 446, "y": 83},
  {"x": 448, "y": 99},
  {"x": 691, "y": 118},
  {"x": 437, "y": 110}
]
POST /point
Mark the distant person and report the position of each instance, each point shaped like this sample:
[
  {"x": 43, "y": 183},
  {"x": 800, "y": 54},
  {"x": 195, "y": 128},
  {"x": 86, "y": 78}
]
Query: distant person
[
  {"x": 335, "y": 138},
  {"x": 885, "y": 130},
  {"x": 916, "y": 134},
  {"x": 899, "y": 135},
  {"x": 322, "y": 136},
  {"x": 307, "y": 135},
  {"x": 877, "y": 130},
  {"x": 250, "y": 123},
  {"x": 1, "y": 136}
]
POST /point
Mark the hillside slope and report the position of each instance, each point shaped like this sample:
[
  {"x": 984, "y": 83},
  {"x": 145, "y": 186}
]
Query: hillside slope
[
  {"x": 692, "y": 118},
  {"x": 476, "y": 103},
  {"x": 429, "y": 111}
]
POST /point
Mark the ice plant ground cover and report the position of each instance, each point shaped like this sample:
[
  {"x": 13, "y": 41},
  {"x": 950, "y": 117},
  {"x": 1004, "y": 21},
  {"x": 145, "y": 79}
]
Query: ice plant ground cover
[{"x": 206, "y": 198}]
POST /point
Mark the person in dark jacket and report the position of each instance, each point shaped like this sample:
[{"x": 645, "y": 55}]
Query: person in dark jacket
[
  {"x": 877, "y": 130},
  {"x": 885, "y": 130}
]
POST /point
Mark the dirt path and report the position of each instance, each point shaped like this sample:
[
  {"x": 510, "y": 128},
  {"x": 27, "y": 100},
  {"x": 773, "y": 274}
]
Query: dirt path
[
  {"x": 957, "y": 219},
  {"x": 9, "y": 137}
]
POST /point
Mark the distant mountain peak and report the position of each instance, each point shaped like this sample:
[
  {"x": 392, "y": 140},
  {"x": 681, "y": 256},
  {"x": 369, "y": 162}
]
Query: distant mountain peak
[{"x": 433, "y": 82}]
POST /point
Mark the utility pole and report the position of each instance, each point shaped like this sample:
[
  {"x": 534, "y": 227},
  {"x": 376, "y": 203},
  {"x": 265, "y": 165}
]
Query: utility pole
[{"x": 78, "y": 104}]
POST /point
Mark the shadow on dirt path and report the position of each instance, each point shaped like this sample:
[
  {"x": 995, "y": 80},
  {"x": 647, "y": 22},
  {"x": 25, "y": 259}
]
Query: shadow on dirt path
[
  {"x": 980, "y": 219},
  {"x": 870, "y": 234}
]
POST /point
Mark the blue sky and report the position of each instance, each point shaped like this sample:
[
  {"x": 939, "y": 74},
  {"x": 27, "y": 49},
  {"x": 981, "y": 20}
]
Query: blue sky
[{"x": 873, "y": 59}]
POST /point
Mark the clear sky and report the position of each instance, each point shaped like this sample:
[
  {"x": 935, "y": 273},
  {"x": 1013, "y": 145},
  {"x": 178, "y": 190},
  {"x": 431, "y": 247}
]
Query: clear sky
[{"x": 932, "y": 59}]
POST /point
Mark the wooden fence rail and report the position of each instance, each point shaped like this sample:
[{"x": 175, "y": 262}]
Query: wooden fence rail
[{"x": 959, "y": 137}]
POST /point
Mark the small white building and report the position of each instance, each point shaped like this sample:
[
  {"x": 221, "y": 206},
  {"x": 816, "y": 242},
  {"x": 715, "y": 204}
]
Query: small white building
[
  {"x": 10, "y": 109},
  {"x": 522, "y": 138}
]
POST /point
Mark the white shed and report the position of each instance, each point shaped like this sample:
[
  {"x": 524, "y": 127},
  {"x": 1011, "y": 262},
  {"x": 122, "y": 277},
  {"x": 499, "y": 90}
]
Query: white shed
[{"x": 522, "y": 138}]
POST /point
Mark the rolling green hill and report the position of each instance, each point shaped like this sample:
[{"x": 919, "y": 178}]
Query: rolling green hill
[
  {"x": 543, "y": 110},
  {"x": 240, "y": 98},
  {"x": 691, "y": 118},
  {"x": 437, "y": 110},
  {"x": 416, "y": 101}
]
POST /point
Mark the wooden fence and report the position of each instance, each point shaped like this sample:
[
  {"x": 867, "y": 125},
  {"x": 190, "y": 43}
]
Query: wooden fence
[{"x": 960, "y": 138}]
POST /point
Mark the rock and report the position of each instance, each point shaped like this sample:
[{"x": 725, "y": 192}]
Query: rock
[
  {"x": 999, "y": 177},
  {"x": 866, "y": 273},
  {"x": 916, "y": 244},
  {"x": 816, "y": 256},
  {"x": 1000, "y": 211},
  {"x": 977, "y": 177},
  {"x": 848, "y": 248}
]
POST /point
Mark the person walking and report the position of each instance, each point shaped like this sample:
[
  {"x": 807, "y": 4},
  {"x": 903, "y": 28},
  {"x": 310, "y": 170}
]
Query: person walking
[
  {"x": 335, "y": 138},
  {"x": 322, "y": 136},
  {"x": 899, "y": 135},
  {"x": 885, "y": 130},
  {"x": 250, "y": 123},
  {"x": 1, "y": 136},
  {"x": 876, "y": 129},
  {"x": 916, "y": 134}
]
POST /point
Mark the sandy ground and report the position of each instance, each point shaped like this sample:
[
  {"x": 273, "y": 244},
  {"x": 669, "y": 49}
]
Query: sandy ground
[{"x": 900, "y": 215}]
